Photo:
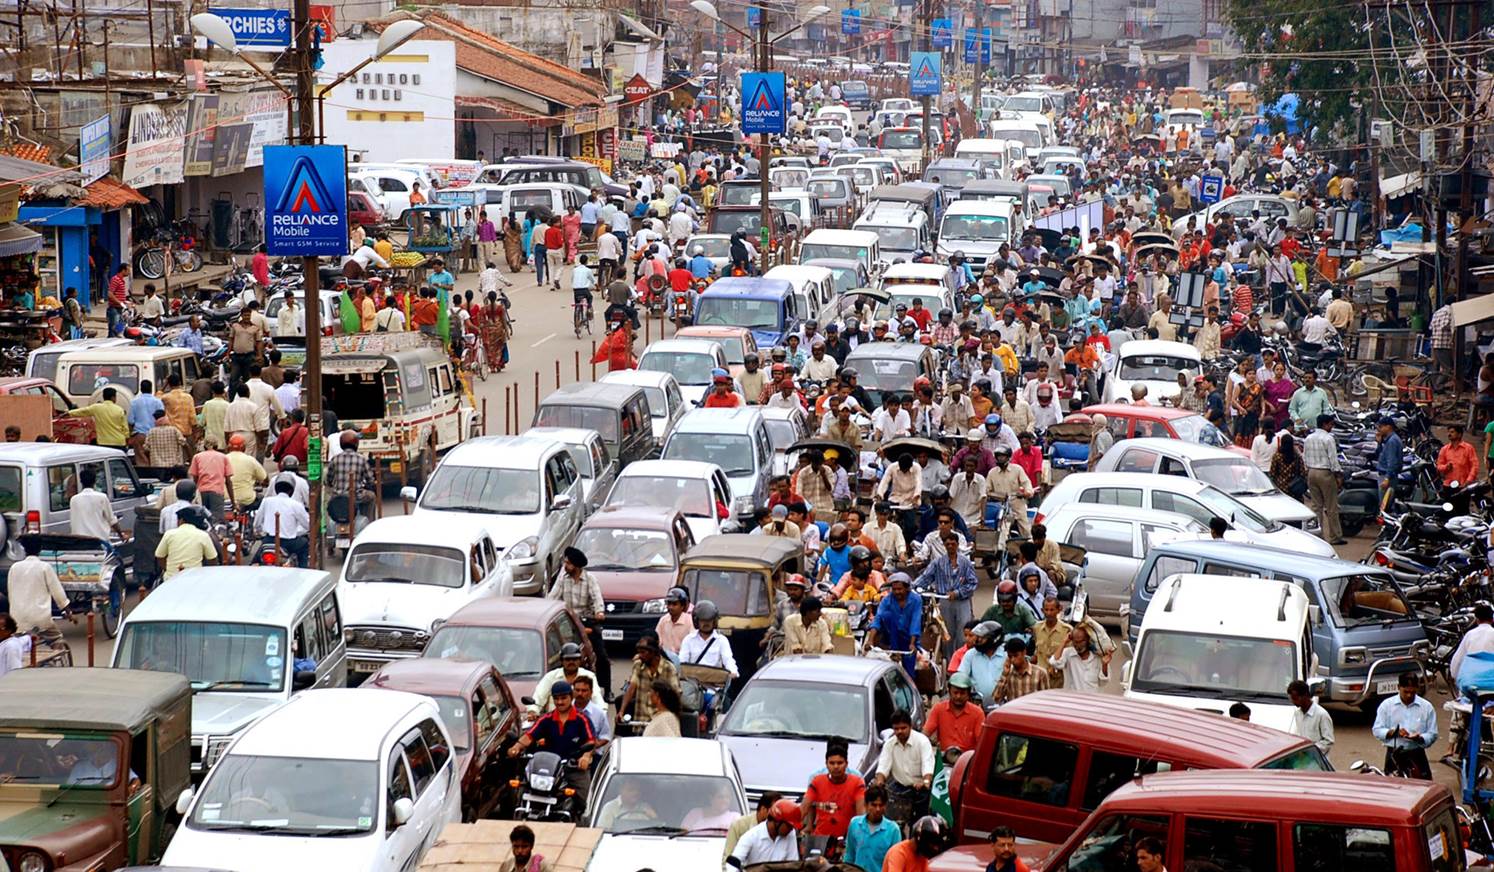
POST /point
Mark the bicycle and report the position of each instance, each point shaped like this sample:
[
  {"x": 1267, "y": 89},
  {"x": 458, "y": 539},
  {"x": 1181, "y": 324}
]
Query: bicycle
[
  {"x": 166, "y": 253},
  {"x": 581, "y": 316},
  {"x": 474, "y": 358}
]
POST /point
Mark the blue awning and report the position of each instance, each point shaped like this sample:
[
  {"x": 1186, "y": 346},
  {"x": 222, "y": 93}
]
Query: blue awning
[{"x": 15, "y": 239}]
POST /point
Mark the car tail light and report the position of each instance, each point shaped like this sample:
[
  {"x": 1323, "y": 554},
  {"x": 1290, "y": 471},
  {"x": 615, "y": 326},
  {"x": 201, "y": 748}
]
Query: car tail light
[
  {"x": 33, "y": 521},
  {"x": 270, "y": 558}
]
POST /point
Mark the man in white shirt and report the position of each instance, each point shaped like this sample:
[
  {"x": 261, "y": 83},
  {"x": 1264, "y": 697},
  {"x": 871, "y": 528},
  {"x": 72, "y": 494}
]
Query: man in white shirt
[
  {"x": 890, "y": 421},
  {"x": 289, "y": 392},
  {"x": 820, "y": 366},
  {"x": 774, "y": 840},
  {"x": 34, "y": 589},
  {"x": 1478, "y": 640},
  {"x": 1317, "y": 329},
  {"x": 1309, "y": 720},
  {"x": 291, "y": 320},
  {"x": 289, "y": 471},
  {"x": 907, "y": 762},
  {"x": 92, "y": 513},
  {"x": 706, "y": 647},
  {"x": 265, "y": 403},
  {"x": 282, "y": 515},
  {"x": 15, "y": 647}
]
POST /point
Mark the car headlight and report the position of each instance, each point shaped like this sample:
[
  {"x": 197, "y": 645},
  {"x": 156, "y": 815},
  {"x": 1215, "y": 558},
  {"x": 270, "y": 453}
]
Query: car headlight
[
  {"x": 1352, "y": 655},
  {"x": 523, "y": 549},
  {"x": 348, "y": 636},
  {"x": 33, "y": 861},
  {"x": 542, "y": 782},
  {"x": 655, "y": 607}
]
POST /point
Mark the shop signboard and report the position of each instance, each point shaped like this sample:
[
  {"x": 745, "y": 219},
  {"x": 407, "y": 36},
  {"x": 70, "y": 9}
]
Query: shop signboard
[
  {"x": 94, "y": 142},
  {"x": 155, "y": 155}
]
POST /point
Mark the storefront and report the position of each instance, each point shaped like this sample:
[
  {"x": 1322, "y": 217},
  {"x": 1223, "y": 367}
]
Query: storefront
[{"x": 83, "y": 239}]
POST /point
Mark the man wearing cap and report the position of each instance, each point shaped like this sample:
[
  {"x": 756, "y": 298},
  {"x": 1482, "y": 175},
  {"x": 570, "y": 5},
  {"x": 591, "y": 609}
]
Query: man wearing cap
[
  {"x": 772, "y": 841},
  {"x": 1008, "y": 484},
  {"x": 649, "y": 665},
  {"x": 956, "y": 411},
  {"x": 974, "y": 447},
  {"x": 581, "y": 593},
  {"x": 954, "y": 722},
  {"x": 569, "y": 670},
  {"x": 676, "y": 623},
  {"x": 722, "y": 395},
  {"x": 779, "y": 525},
  {"x": 842, "y": 429},
  {"x": 565, "y": 732}
]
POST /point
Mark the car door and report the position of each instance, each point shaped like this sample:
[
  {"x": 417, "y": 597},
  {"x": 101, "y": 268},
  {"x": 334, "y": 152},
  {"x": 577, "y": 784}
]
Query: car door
[
  {"x": 400, "y": 842},
  {"x": 125, "y": 491},
  {"x": 720, "y": 495},
  {"x": 1111, "y": 560}
]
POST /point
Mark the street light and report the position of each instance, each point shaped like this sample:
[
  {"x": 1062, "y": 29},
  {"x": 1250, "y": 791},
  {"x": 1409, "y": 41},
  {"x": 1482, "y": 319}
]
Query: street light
[{"x": 765, "y": 64}]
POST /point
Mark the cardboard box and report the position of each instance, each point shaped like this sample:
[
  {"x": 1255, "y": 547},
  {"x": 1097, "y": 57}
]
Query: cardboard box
[{"x": 483, "y": 846}]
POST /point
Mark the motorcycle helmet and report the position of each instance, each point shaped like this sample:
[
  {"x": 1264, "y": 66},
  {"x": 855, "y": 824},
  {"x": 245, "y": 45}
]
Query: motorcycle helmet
[
  {"x": 977, "y": 299},
  {"x": 939, "y": 492},
  {"x": 569, "y": 650},
  {"x": 699, "y": 249},
  {"x": 1006, "y": 592},
  {"x": 847, "y": 372},
  {"x": 993, "y": 420},
  {"x": 853, "y": 325},
  {"x": 928, "y": 834},
  {"x": 858, "y": 554},
  {"x": 988, "y": 630},
  {"x": 787, "y": 811},
  {"x": 946, "y": 313},
  {"x": 750, "y": 358},
  {"x": 705, "y": 610},
  {"x": 677, "y": 595}
]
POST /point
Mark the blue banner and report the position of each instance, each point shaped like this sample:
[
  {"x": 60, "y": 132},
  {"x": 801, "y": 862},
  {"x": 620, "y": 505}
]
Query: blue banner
[
  {"x": 265, "y": 28},
  {"x": 923, "y": 73},
  {"x": 306, "y": 200},
  {"x": 1210, "y": 188},
  {"x": 754, "y": 18},
  {"x": 971, "y": 52},
  {"x": 941, "y": 31},
  {"x": 763, "y": 103},
  {"x": 985, "y": 46},
  {"x": 850, "y": 22}
]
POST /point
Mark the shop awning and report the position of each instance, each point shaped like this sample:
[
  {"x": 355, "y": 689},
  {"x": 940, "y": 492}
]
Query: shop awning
[
  {"x": 507, "y": 110},
  {"x": 1395, "y": 186},
  {"x": 15, "y": 239}
]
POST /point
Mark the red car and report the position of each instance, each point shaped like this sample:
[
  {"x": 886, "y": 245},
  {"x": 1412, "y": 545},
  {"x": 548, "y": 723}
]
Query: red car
[
  {"x": 521, "y": 636},
  {"x": 479, "y": 711},
  {"x": 64, "y": 429},
  {"x": 363, "y": 210},
  {"x": 1127, "y": 421}
]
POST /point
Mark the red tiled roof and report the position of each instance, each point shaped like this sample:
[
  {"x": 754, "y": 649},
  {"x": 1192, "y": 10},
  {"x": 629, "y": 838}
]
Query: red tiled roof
[
  {"x": 506, "y": 110},
  {"x": 29, "y": 151},
  {"x": 108, "y": 193},
  {"x": 491, "y": 58}
]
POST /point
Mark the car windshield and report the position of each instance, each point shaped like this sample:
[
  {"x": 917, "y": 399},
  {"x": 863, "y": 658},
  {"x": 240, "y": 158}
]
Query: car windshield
[
  {"x": 982, "y": 228},
  {"x": 517, "y": 652},
  {"x": 456, "y": 714},
  {"x": 895, "y": 238},
  {"x": 1206, "y": 665},
  {"x": 1197, "y": 429},
  {"x": 1185, "y": 118},
  {"x": 1234, "y": 511},
  {"x": 715, "y": 246},
  {"x": 952, "y": 177},
  {"x": 731, "y": 452},
  {"x": 1019, "y": 103},
  {"x": 844, "y": 278},
  {"x": 289, "y": 796},
  {"x": 85, "y": 378},
  {"x": 811, "y": 250},
  {"x": 485, "y": 490},
  {"x": 562, "y": 414},
  {"x": 688, "y": 368},
  {"x": 729, "y": 222},
  {"x": 689, "y": 496},
  {"x": 827, "y": 188},
  {"x": 1028, "y": 138},
  {"x": 782, "y": 432},
  {"x": 403, "y": 563},
  {"x": 733, "y": 312},
  {"x": 738, "y": 195},
  {"x": 1155, "y": 367},
  {"x": 811, "y": 711},
  {"x": 581, "y": 454},
  {"x": 212, "y": 655},
  {"x": 614, "y": 549},
  {"x": 886, "y": 375},
  {"x": 790, "y": 205},
  {"x": 789, "y": 178},
  {"x": 1354, "y": 600},
  {"x": 1234, "y": 475},
  {"x": 901, "y": 139},
  {"x": 38, "y": 757},
  {"x": 861, "y": 176},
  {"x": 697, "y": 804}
]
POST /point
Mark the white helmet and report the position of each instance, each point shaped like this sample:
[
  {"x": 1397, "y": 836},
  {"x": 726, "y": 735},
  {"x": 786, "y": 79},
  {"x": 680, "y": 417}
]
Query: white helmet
[{"x": 699, "y": 249}]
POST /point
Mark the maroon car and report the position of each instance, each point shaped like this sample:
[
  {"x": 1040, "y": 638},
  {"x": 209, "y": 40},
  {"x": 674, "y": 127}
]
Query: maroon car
[
  {"x": 363, "y": 210},
  {"x": 521, "y": 636},
  {"x": 634, "y": 554},
  {"x": 479, "y": 711}
]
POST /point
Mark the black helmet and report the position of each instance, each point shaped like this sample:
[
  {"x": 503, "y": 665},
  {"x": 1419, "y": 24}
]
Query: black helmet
[
  {"x": 705, "y": 610},
  {"x": 570, "y": 649},
  {"x": 929, "y": 836},
  {"x": 946, "y": 312},
  {"x": 847, "y": 372},
  {"x": 858, "y": 554},
  {"x": 677, "y": 595}
]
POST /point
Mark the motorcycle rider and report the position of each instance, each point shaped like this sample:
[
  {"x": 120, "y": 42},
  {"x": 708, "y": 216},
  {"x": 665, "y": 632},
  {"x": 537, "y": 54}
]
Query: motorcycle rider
[
  {"x": 925, "y": 841},
  {"x": 754, "y": 379},
  {"x": 565, "y": 731}
]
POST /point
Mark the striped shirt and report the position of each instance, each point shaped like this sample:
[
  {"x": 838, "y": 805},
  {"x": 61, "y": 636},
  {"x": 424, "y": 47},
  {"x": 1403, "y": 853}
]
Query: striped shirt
[{"x": 1320, "y": 451}]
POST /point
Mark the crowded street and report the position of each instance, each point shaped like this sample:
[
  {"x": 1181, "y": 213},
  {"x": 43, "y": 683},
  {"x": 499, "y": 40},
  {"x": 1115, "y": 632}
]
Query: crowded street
[{"x": 897, "y": 438}]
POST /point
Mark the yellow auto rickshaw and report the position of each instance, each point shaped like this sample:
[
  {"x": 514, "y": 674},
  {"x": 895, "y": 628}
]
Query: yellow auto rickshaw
[{"x": 743, "y": 575}]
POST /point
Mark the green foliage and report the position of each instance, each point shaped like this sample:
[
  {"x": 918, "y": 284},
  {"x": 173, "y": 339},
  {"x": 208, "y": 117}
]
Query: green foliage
[{"x": 1317, "y": 50}]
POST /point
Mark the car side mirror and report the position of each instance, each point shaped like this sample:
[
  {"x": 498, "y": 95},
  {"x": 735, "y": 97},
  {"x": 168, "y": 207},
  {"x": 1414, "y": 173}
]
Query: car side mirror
[
  {"x": 1315, "y": 615},
  {"x": 408, "y": 492},
  {"x": 184, "y": 801},
  {"x": 886, "y": 735},
  {"x": 527, "y": 700},
  {"x": 1316, "y": 684},
  {"x": 303, "y": 679},
  {"x": 404, "y": 809},
  {"x": 560, "y": 503}
]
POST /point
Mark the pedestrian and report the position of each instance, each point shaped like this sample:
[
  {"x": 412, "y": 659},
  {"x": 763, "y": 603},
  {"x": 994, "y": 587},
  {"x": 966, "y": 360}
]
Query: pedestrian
[
  {"x": 951, "y": 575},
  {"x": 834, "y": 796},
  {"x": 110, "y": 424},
  {"x": 15, "y": 649},
  {"x": 1390, "y": 459},
  {"x": 513, "y": 245},
  {"x": 1101, "y": 439},
  {"x": 1407, "y": 725},
  {"x": 1004, "y": 852},
  {"x": 521, "y": 853},
  {"x": 665, "y": 701},
  {"x": 33, "y": 590},
  {"x": 118, "y": 298},
  {"x": 741, "y": 825},
  {"x": 554, "y": 250},
  {"x": 1478, "y": 640},
  {"x": 165, "y": 449},
  {"x": 871, "y": 835},
  {"x": 1083, "y": 669},
  {"x": 214, "y": 416},
  {"x": 1324, "y": 478},
  {"x": 1457, "y": 462},
  {"x": 1020, "y": 676},
  {"x": 1309, "y": 720}
]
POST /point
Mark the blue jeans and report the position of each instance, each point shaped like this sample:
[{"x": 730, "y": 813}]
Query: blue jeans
[
  {"x": 539, "y": 263},
  {"x": 115, "y": 320}
]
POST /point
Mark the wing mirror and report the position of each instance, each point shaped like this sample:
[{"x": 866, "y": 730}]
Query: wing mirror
[
  {"x": 403, "y": 810},
  {"x": 408, "y": 493},
  {"x": 560, "y": 503},
  {"x": 303, "y": 679},
  {"x": 184, "y": 801}
]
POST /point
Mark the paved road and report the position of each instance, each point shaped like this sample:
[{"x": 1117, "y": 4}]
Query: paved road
[{"x": 543, "y": 338}]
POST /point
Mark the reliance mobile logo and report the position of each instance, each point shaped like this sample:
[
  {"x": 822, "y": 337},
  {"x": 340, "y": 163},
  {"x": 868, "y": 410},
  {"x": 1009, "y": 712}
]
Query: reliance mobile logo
[
  {"x": 305, "y": 201},
  {"x": 926, "y": 68},
  {"x": 762, "y": 99}
]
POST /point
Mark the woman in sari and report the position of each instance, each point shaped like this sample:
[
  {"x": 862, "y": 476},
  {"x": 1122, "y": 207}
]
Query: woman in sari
[
  {"x": 571, "y": 224},
  {"x": 490, "y": 320},
  {"x": 1250, "y": 408},
  {"x": 1279, "y": 392},
  {"x": 513, "y": 246}
]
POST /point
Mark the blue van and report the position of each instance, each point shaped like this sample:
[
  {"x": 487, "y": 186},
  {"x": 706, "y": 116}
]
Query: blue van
[
  {"x": 765, "y": 306},
  {"x": 1364, "y": 631}
]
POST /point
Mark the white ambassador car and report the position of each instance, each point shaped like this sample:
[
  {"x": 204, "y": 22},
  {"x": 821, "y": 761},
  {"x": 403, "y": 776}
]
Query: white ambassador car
[
  {"x": 664, "y": 804},
  {"x": 697, "y": 489},
  {"x": 404, "y": 576},
  {"x": 1173, "y": 493},
  {"x": 1151, "y": 362},
  {"x": 333, "y": 779},
  {"x": 1226, "y": 470}
]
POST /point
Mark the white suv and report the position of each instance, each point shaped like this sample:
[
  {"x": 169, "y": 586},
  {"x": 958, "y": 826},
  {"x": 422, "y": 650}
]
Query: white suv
[{"x": 528, "y": 490}]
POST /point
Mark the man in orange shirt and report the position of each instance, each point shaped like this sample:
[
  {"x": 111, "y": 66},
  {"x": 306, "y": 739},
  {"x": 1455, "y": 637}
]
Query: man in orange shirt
[
  {"x": 835, "y": 795},
  {"x": 1457, "y": 461},
  {"x": 722, "y": 395},
  {"x": 927, "y": 839},
  {"x": 425, "y": 312},
  {"x": 954, "y": 722}
]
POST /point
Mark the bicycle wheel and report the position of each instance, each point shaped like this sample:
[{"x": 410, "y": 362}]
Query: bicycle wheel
[{"x": 151, "y": 263}]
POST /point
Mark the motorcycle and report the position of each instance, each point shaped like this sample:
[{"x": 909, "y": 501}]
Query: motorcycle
[{"x": 544, "y": 794}]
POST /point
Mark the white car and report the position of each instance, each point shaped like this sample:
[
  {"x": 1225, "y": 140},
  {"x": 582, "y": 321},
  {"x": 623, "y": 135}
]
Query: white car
[
  {"x": 333, "y": 779},
  {"x": 896, "y": 104},
  {"x": 594, "y": 460},
  {"x": 840, "y": 115},
  {"x": 1190, "y": 120},
  {"x": 690, "y": 361},
  {"x": 1173, "y": 493},
  {"x": 1151, "y": 362},
  {"x": 1210, "y": 641},
  {"x": 697, "y": 489},
  {"x": 666, "y": 404},
  {"x": 1271, "y": 207},
  {"x": 1226, "y": 470},
  {"x": 405, "y": 575},
  {"x": 664, "y": 804},
  {"x": 717, "y": 249},
  {"x": 527, "y": 489}
]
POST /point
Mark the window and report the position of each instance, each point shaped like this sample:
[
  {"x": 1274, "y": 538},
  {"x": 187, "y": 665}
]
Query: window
[
  {"x": 497, "y": 702},
  {"x": 422, "y": 764},
  {"x": 882, "y": 706},
  {"x": 1443, "y": 845},
  {"x": 61, "y": 486},
  {"x": 308, "y": 639},
  {"x": 1032, "y": 769},
  {"x": 1324, "y": 848},
  {"x": 1103, "y": 537},
  {"x": 1167, "y": 566},
  {"x": 443, "y": 378},
  {"x": 1112, "y": 496},
  {"x": 1120, "y": 427},
  {"x": 483, "y": 721},
  {"x": 1229, "y": 846},
  {"x": 568, "y": 473},
  {"x": 1109, "y": 771},
  {"x": 1163, "y": 501},
  {"x": 1173, "y": 466},
  {"x": 331, "y": 623},
  {"x": 569, "y": 633},
  {"x": 555, "y": 483},
  {"x": 440, "y": 751},
  {"x": 903, "y": 695},
  {"x": 553, "y": 641},
  {"x": 122, "y": 480},
  {"x": 399, "y": 787},
  {"x": 10, "y": 489}
]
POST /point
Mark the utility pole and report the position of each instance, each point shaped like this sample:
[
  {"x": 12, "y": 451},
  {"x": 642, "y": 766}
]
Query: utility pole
[
  {"x": 1465, "y": 176},
  {"x": 924, "y": 41},
  {"x": 765, "y": 64},
  {"x": 978, "y": 8},
  {"x": 312, "y": 372}
]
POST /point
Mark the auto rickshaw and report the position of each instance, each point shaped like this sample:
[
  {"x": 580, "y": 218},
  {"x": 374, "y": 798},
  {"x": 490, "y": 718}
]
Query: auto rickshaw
[
  {"x": 743, "y": 575},
  {"x": 92, "y": 762}
]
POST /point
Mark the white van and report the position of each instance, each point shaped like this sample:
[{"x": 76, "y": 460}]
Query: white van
[
  {"x": 990, "y": 152},
  {"x": 814, "y": 286},
  {"x": 858, "y": 245},
  {"x": 448, "y": 172},
  {"x": 393, "y": 184},
  {"x": 1209, "y": 641},
  {"x": 978, "y": 228},
  {"x": 333, "y": 779},
  {"x": 1027, "y": 132},
  {"x": 902, "y": 229}
]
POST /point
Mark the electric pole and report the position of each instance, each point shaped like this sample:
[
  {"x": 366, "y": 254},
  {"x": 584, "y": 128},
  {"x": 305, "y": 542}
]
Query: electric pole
[
  {"x": 311, "y": 376},
  {"x": 979, "y": 67},
  {"x": 926, "y": 18}
]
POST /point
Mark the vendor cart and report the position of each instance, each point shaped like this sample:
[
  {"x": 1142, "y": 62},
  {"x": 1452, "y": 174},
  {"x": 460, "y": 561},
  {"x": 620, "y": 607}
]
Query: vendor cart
[
  {"x": 91, "y": 571},
  {"x": 483, "y": 846}
]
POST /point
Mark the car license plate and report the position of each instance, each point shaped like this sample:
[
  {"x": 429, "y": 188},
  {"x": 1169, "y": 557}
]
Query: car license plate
[
  {"x": 612, "y": 635},
  {"x": 364, "y": 665},
  {"x": 1387, "y": 686}
]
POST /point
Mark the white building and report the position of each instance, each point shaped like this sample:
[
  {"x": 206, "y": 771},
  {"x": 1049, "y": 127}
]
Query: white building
[{"x": 401, "y": 106}]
